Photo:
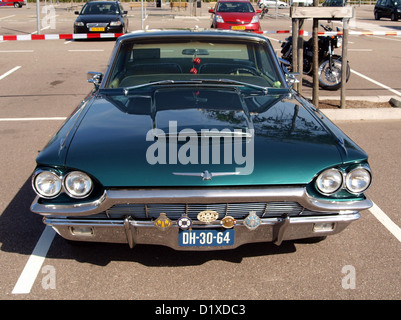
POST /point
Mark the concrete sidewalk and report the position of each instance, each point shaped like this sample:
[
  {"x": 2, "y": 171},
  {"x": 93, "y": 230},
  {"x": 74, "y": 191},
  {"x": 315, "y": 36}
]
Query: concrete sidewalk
[{"x": 363, "y": 114}]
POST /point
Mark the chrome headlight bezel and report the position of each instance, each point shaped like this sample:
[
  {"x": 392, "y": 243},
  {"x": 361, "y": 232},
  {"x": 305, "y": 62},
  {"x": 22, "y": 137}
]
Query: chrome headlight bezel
[
  {"x": 75, "y": 179},
  {"x": 342, "y": 177},
  {"x": 57, "y": 183},
  {"x": 367, "y": 178},
  {"x": 62, "y": 183},
  {"x": 329, "y": 175}
]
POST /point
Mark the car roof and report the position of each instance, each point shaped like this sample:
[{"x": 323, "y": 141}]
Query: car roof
[
  {"x": 233, "y": 1},
  {"x": 103, "y": 1}
]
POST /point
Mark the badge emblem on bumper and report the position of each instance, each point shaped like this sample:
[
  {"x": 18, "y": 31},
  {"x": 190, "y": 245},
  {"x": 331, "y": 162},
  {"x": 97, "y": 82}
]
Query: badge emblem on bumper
[
  {"x": 228, "y": 222},
  {"x": 252, "y": 221},
  {"x": 184, "y": 222},
  {"x": 208, "y": 216},
  {"x": 162, "y": 222}
]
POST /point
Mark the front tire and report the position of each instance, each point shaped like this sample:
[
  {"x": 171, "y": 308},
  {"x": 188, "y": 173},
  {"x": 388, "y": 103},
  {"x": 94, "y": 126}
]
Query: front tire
[{"x": 330, "y": 78}]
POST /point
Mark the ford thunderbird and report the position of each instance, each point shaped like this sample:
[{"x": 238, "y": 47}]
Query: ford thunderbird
[{"x": 196, "y": 140}]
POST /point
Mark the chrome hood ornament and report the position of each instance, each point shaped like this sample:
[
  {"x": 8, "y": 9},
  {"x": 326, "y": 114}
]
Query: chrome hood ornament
[{"x": 206, "y": 175}]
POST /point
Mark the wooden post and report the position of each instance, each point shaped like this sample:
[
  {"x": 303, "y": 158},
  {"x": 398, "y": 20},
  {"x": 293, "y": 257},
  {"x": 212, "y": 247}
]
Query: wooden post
[
  {"x": 315, "y": 91},
  {"x": 300, "y": 55},
  {"x": 344, "y": 63},
  {"x": 295, "y": 33},
  {"x": 322, "y": 13}
]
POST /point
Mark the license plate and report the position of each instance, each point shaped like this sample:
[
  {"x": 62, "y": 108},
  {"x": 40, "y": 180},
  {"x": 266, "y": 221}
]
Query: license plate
[
  {"x": 203, "y": 238},
  {"x": 237, "y": 27},
  {"x": 97, "y": 29}
]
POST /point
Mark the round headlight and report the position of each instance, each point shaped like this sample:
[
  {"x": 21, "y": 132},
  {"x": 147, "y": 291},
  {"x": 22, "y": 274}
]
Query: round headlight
[
  {"x": 329, "y": 181},
  {"x": 47, "y": 184},
  {"x": 78, "y": 184},
  {"x": 358, "y": 180}
]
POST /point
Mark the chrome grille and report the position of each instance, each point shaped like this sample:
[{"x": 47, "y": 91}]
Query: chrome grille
[
  {"x": 174, "y": 211},
  {"x": 97, "y": 24}
]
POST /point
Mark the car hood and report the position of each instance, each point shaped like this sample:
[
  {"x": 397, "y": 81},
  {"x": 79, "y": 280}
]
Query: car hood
[
  {"x": 91, "y": 18},
  {"x": 156, "y": 140},
  {"x": 237, "y": 17}
]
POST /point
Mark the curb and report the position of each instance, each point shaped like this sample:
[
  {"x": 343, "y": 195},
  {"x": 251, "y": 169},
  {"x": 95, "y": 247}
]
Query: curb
[{"x": 362, "y": 114}]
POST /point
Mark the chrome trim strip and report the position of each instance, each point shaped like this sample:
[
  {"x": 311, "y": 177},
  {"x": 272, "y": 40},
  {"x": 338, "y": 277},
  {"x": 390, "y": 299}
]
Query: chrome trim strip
[{"x": 199, "y": 195}]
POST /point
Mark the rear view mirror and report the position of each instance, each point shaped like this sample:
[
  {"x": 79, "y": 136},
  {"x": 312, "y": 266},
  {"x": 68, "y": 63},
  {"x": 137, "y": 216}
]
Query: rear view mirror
[{"x": 198, "y": 52}]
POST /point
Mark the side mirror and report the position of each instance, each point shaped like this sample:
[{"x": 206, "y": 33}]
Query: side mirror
[
  {"x": 95, "y": 78},
  {"x": 292, "y": 78},
  {"x": 211, "y": 10},
  {"x": 76, "y": 12},
  {"x": 258, "y": 11},
  {"x": 125, "y": 12}
]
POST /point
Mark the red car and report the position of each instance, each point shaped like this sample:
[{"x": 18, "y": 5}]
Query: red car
[
  {"x": 14, "y": 3},
  {"x": 235, "y": 15}
]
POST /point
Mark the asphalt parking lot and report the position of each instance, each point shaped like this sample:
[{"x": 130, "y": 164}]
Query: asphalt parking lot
[{"x": 41, "y": 82}]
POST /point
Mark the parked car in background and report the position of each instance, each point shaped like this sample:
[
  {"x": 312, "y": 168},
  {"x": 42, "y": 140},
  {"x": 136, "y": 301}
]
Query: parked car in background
[
  {"x": 12, "y": 3},
  {"x": 388, "y": 9},
  {"x": 334, "y": 3},
  {"x": 100, "y": 17},
  {"x": 195, "y": 140},
  {"x": 302, "y": 3},
  {"x": 235, "y": 15},
  {"x": 272, "y": 3}
]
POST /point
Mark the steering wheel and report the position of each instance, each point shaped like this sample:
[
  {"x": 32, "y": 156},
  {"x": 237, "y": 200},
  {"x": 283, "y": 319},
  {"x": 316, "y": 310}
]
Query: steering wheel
[{"x": 242, "y": 70}]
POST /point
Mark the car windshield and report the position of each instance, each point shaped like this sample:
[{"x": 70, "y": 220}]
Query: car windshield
[
  {"x": 100, "y": 8},
  {"x": 235, "y": 7},
  {"x": 213, "y": 60}
]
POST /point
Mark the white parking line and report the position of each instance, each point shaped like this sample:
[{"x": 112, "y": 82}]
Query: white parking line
[
  {"x": 360, "y": 50},
  {"x": 376, "y": 82},
  {"x": 88, "y": 50},
  {"x": 386, "y": 221},
  {"x": 9, "y": 72},
  {"x": 15, "y": 51},
  {"x": 35, "y": 261},
  {"x": 7, "y": 17},
  {"x": 389, "y": 38}
]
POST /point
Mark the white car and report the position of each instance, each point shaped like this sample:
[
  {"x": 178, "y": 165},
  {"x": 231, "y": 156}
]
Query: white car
[{"x": 272, "y": 3}]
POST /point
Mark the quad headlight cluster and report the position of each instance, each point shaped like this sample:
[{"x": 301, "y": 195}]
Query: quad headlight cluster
[
  {"x": 48, "y": 184},
  {"x": 356, "y": 181}
]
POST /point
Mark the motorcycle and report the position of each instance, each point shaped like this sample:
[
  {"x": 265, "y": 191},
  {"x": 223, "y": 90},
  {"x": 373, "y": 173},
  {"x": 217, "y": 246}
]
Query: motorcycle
[
  {"x": 330, "y": 64},
  {"x": 264, "y": 10}
]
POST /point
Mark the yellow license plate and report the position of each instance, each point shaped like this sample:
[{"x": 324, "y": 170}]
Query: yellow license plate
[
  {"x": 96, "y": 29},
  {"x": 237, "y": 27}
]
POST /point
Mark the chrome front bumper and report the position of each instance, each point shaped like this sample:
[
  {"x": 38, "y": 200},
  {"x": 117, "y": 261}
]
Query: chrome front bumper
[
  {"x": 137, "y": 232},
  {"x": 91, "y": 221}
]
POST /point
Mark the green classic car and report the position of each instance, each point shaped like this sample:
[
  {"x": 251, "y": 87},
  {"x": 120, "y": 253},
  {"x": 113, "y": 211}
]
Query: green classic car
[{"x": 195, "y": 140}]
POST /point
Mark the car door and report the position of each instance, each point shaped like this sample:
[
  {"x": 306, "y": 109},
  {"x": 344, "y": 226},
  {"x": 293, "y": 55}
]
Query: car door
[
  {"x": 380, "y": 7},
  {"x": 388, "y": 8}
]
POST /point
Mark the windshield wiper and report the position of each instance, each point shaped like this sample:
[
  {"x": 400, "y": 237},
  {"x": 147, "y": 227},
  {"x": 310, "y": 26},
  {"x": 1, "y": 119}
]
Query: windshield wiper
[
  {"x": 196, "y": 81},
  {"x": 235, "y": 82},
  {"x": 127, "y": 89}
]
